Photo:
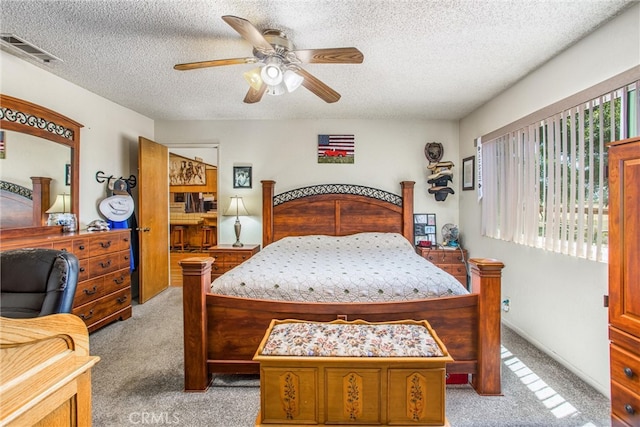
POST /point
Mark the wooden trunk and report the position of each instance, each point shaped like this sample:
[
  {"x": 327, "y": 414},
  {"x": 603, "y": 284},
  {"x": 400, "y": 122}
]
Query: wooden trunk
[{"x": 400, "y": 390}]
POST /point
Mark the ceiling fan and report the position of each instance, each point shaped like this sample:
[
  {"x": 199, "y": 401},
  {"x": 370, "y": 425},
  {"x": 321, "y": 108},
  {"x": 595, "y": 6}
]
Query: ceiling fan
[{"x": 279, "y": 65}]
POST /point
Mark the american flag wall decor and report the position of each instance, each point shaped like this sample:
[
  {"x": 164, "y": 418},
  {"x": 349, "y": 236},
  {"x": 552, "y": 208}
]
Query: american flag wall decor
[{"x": 336, "y": 148}]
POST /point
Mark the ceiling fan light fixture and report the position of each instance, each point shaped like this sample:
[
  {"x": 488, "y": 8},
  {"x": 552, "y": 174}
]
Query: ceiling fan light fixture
[
  {"x": 292, "y": 80},
  {"x": 272, "y": 73},
  {"x": 253, "y": 78},
  {"x": 277, "y": 90}
]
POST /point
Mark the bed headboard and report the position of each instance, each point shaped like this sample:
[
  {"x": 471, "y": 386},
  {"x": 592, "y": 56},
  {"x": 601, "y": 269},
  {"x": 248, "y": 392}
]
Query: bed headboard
[
  {"x": 22, "y": 207},
  {"x": 336, "y": 210}
]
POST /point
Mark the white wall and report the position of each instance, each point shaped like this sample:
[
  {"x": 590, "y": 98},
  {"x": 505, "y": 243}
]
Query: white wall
[
  {"x": 556, "y": 300},
  {"x": 386, "y": 152},
  {"x": 109, "y": 139}
]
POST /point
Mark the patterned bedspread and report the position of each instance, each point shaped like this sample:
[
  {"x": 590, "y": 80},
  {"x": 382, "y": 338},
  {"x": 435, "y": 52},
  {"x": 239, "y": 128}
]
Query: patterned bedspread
[{"x": 365, "y": 267}]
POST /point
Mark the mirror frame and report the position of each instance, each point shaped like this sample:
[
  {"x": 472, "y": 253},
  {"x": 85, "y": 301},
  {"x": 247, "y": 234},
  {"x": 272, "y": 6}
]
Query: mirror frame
[{"x": 33, "y": 119}]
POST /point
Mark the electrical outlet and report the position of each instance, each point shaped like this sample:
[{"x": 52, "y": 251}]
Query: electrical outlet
[{"x": 506, "y": 305}]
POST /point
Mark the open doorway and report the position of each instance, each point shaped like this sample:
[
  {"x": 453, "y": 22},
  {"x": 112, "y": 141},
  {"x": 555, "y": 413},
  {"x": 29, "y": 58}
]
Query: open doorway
[{"x": 193, "y": 209}]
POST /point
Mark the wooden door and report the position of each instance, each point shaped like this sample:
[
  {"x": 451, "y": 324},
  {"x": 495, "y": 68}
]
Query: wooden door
[{"x": 153, "y": 208}]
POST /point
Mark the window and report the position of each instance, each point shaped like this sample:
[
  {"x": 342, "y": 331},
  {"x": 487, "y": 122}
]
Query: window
[{"x": 545, "y": 183}]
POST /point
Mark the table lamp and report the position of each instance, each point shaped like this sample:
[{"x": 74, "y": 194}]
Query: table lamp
[
  {"x": 60, "y": 213},
  {"x": 236, "y": 207}
]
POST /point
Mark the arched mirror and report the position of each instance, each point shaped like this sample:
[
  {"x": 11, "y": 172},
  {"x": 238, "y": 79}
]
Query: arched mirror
[{"x": 35, "y": 135}]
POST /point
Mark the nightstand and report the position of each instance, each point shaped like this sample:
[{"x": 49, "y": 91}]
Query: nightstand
[
  {"x": 228, "y": 256},
  {"x": 453, "y": 261}
]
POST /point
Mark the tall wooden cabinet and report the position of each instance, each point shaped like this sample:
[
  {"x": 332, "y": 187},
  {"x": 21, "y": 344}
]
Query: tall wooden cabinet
[{"x": 624, "y": 281}]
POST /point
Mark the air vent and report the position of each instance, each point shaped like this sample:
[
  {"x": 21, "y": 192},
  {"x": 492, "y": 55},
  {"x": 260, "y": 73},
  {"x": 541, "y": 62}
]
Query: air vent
[{"x": 27, "y": 48}]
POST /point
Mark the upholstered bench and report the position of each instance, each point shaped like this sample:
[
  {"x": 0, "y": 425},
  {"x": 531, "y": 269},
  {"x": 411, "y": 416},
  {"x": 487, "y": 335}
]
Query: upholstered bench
[{"x": 351, "y": 373}]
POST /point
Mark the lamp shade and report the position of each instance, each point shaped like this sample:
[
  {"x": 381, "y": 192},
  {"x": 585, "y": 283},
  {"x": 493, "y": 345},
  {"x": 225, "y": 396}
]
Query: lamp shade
[
  {"x": 292, "y": 80},
  {"x": 253, "y": 78},
  {"x": 271, "y": 73},
  {"x": 62, "y": 204},
  {"x": 236, "y": 207}
]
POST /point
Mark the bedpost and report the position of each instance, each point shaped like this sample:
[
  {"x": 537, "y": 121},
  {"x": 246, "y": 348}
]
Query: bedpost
[
  {"x": 407, "y": 209},
  {"x": 41, "y": 196},
  {"x": 486, "y": 282},
  {"x": 267, "y": 212},
  {"x": 196, "y": 279}
]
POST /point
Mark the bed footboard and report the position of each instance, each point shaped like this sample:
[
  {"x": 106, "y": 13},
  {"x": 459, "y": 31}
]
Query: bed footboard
[{"x": 222, "y": 333}]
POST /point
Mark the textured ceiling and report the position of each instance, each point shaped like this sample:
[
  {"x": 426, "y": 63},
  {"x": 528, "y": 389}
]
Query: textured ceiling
[{"x": 422, "y": 59}]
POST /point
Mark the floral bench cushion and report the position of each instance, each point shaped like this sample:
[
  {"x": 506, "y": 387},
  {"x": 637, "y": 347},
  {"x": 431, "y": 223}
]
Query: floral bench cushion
[{"x": 350, "y": 340}]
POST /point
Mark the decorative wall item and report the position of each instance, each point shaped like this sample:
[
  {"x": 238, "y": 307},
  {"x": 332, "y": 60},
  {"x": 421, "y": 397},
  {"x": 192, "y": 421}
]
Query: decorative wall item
[
  {"x": 468, "y": 173},
  {"x": 185, "y": 171},
  {"x": 424, "y": 230},
  {"x": 336, "y": 148},
  {"x": 242, "y": 177},
  {"x": 433, "y": 151},
  {"x": 440, "y": 173},
  {"x": 67, "y": 174}
]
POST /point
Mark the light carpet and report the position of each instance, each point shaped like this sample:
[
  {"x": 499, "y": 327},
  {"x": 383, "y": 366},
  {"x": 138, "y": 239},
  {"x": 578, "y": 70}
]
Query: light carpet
[{"x": 139, "y": 382}]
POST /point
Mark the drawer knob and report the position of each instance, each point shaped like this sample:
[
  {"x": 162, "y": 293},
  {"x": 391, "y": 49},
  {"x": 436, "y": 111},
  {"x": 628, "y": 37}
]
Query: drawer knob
[
  {"x": 121, "y": 299},
  {"x": 105, "y": 265},
  {"x": 92, "y": 291},
  {"x": 88, "y": 316},
  {"x": 105, "y": 245},
  {"x": 82, "y": 270},
  {"x": 119, "y": 281},
  {"x": 81, "y": 247},
  {"x": 628, "y": 372},
  {"x": 629, "y": 409}
]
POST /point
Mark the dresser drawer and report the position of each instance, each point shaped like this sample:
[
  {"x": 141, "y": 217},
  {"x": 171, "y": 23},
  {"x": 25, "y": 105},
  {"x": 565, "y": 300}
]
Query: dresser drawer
[
  {"x": 236, "y": 258},
  {"x": 124, "y": 259},
  {"x": 96, "y": 310},
  {"x": 103, "y": 264},
  {"x": 457, "y": 270},
  {"x": 97, "y": 288},
  {"x": 79, "y": 247},
  {"x": 105, "y": 244},
  {"x": 625, "y": 404},
  {"x": 625, "y": 368},
  {"x": 454, "y": 257},
  {"x": 83, "y": 269}
]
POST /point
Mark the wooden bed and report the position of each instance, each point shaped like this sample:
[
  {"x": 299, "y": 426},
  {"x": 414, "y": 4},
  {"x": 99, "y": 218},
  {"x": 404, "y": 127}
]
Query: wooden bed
[
  {"x": 222, "y": 333},
  {"x": 22, "y": 207}
]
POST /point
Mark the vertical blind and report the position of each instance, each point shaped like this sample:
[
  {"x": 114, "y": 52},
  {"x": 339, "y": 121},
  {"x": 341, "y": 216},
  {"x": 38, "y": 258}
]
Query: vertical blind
[{"x": 545, "y": 184}]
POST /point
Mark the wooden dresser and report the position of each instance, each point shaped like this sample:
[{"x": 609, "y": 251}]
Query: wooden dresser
[
  {"x": 103, "y": 294},
  {"x": 624, "y": 282},
  {"x": 228, "y": 256},
  {"x": 452, "y": 261}
]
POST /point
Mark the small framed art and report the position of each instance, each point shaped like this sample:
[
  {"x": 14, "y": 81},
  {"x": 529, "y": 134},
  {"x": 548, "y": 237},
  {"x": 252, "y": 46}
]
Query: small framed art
[
  {"x": 468, "y": 173},
  {"x": 242, "y": 177}
]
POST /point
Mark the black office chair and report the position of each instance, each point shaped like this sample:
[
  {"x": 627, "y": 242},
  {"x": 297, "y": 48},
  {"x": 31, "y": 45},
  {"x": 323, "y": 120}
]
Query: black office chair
[{"x": 37, "y": 282}]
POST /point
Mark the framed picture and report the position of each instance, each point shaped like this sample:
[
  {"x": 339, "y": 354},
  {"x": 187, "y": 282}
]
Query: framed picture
[
  {"x": 468, "y": 173},
  {"x": 67, "y": 174},
  {"x": 185, "y": 171},
  {"x": 424, "y": 230},
  {"x": 242, "y": 177}
]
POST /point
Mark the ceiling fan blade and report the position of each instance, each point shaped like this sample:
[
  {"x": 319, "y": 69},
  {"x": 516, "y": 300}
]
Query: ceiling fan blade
[
  {"x": 255, "y": 95},
  {"x": 338, "y": 55},
  {"x": 316, "y": 86},
  {"x": 249, "y": 33},
  {"x": 214, "y": 63}
]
